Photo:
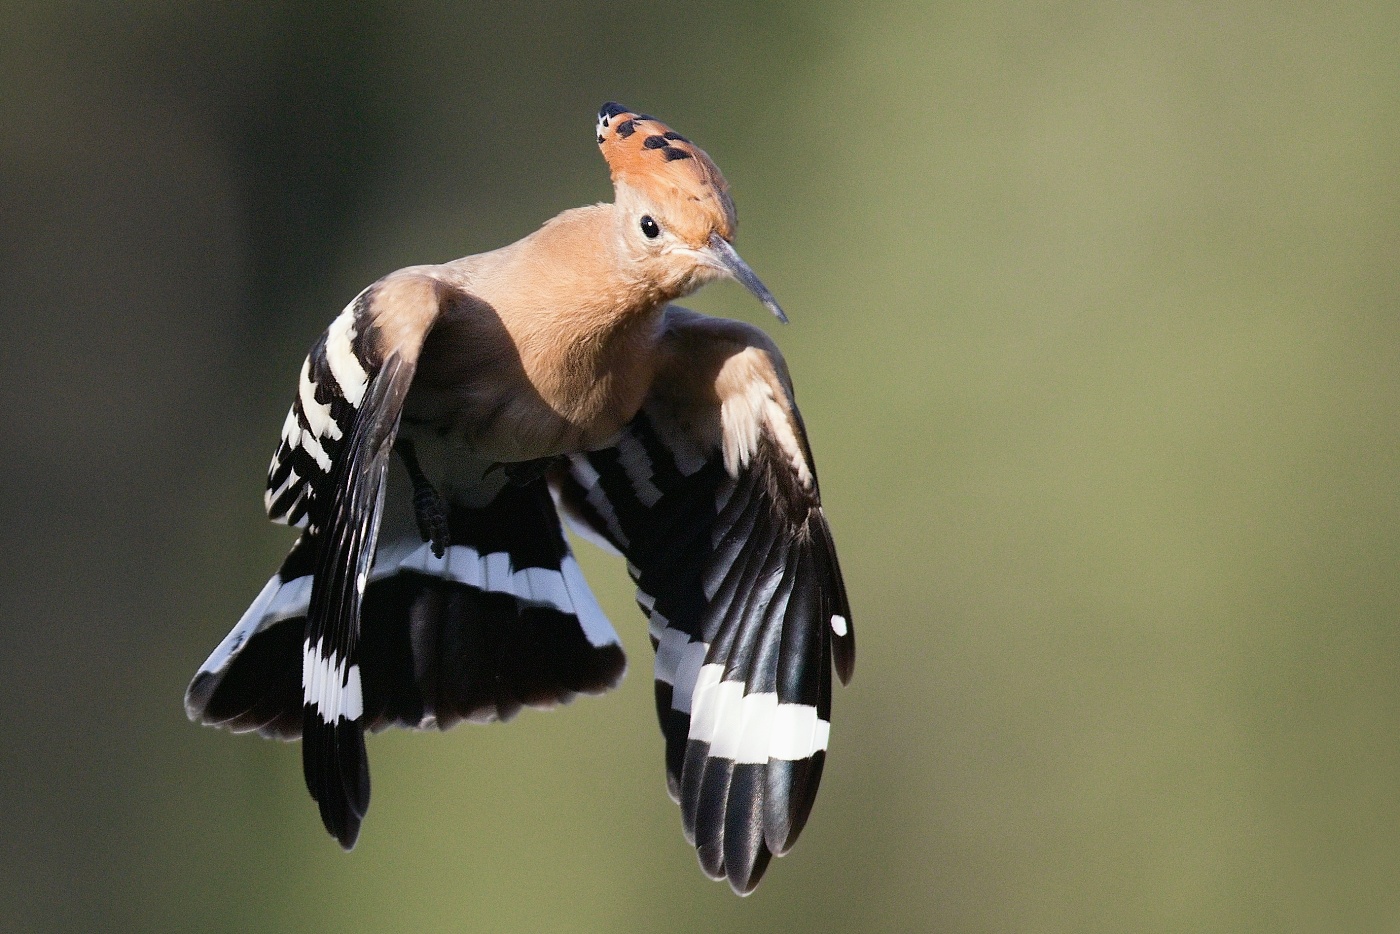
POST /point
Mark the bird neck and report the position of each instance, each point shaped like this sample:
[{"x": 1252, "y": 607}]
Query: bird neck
[
  {"x": 594, "y": 276},
  {"x": 585, "y": 327},
  {"x": 573, "y": 289}
]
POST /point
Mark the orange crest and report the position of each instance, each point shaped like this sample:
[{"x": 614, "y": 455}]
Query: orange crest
[{"x": 668, "y": 169}]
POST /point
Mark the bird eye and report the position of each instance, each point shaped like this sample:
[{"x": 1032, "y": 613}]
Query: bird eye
[{"x": 650, "y": 228}]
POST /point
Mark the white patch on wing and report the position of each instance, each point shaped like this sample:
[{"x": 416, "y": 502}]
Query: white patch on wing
[
  {"x": 595, "y": 496},
  {"x": 317, "y": 415},
  {"x": 596, "y": 627},
  {"x": 838, "y": 624},
  {"x": 292, "y": 600},
  {"x": 798, "y": 732},
  {"x": 723, "y": 715},
  {"x": 328, "y": 686},
  {"x": 248, "y": 623},
  {"x": 496, "y": 573},
  {"x": 671, "y": 646},
  {"x": 291, "y": 430},
  {"x": 754, "y": 728},
  {"x": 711, "y": 702},
  {"x": 689, "y": 670},
  {"x": 577, "y": 523},
  {"x": 656, "y": 625},
  {"x": 271, "y": 496},
  {"x": 637, "y": 465},
  {"x": 755, "y": 741},
  {"x": 748, "y": 728},
  {"x": 564, "y": 590},
  {"x": 291, "y": 439},
  {"x": 309, "y": 421},
  {"x": 313, "y": 447},
  {"x": 745, "y": 413},
  {"x": 345, "y": 366}
]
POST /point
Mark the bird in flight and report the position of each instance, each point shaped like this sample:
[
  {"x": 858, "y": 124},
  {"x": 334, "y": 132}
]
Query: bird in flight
[{"x": 552, "y": 380}]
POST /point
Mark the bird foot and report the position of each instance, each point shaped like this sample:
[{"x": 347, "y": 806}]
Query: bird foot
[{"x": 429, "y": 507}]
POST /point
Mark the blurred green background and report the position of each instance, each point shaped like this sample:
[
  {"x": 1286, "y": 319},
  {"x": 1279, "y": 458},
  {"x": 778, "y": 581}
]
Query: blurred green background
[{"x": 1097, "y": 336}]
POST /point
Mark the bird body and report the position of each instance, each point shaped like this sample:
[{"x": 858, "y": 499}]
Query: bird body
[
  {"x": 553, "y": 377},
  {"x": 570, "y": 361}
]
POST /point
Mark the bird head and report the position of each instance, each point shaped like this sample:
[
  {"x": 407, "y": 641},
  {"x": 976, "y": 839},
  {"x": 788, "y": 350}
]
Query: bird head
[{"x": 676, "y": 220}]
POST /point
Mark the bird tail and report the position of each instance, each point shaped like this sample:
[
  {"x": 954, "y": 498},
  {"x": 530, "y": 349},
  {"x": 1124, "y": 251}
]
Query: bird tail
[{"x": 502, "y": 620}]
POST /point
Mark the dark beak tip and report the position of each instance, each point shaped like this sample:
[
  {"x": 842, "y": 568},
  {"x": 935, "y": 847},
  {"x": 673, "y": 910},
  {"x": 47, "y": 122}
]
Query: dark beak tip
[{"x": 724, "y": 251}]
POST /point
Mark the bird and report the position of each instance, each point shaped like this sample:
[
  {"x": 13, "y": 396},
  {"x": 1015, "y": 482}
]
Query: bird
[{"x": 448, "y": 426}]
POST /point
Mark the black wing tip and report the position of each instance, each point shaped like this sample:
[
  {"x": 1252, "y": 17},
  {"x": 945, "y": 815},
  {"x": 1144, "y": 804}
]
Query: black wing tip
[
  {"x": 255, "y": 690},
  {"x": 746, "y": 855},
  {"x": 792, "y": 791},
  {"x": 742, "y": 866},
  {"x": 843, "y": 653},
  {"x": 197, "y": 697},
  {"x": 724, "y": 816},
  {"x": 691, "y": 783},
  {"x": 346, "y": 833},
  {"x": 601, "y": 670},
  {"x": 744, "y": 883},
  {"x": 711, "y": 813},
  {"x": 743, "y": 877},
  {"x": 711, "y": 858},
  {"x": 336, "y": 768},
  {"x": 842, "y": 628}
]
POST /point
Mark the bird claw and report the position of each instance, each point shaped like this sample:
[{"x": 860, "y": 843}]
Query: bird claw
[
  {"x": 429, "y": 507},
  {"x": 430, "y": 510}
]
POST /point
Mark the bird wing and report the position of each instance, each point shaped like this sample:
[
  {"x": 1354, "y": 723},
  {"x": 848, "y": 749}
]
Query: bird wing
[
  {"x": 711, "y": 495},
  {"x": 328, "y": 475}
]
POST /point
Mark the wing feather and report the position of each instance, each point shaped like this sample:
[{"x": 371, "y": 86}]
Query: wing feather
[
  {"x": 333, "y": 748},
  {"x": 330, "y": 391},
  {"x": 711, "y": 494},
  {"x": 328, "y": 475}
]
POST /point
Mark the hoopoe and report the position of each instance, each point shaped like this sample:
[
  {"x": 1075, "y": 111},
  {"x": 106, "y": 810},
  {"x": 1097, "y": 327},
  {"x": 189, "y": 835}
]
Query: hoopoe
[{"x": 552, "y": 377}]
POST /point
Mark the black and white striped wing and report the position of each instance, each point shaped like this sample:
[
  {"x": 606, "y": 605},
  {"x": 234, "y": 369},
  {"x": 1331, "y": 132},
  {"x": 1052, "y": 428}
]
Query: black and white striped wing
[
  {"x": 334, "y": 760},
  {"x": 715, "y": 506},
  {"x": 328, "y": 476},
  {"x": 334, "y": 379}
]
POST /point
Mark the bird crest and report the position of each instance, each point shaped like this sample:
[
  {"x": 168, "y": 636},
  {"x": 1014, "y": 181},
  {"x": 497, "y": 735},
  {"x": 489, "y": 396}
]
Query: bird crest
[{"x": 667, "y": 169}]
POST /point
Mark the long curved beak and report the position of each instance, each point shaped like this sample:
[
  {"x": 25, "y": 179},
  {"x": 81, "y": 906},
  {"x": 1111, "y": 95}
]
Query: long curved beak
[{"x": 724, "y": 253}]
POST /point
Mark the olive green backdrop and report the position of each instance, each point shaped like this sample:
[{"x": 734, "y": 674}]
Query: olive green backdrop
[{"x": 1096, "y": 333}]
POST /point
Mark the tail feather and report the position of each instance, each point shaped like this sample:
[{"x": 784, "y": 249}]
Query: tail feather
[{"x": 502, "y": 620}]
